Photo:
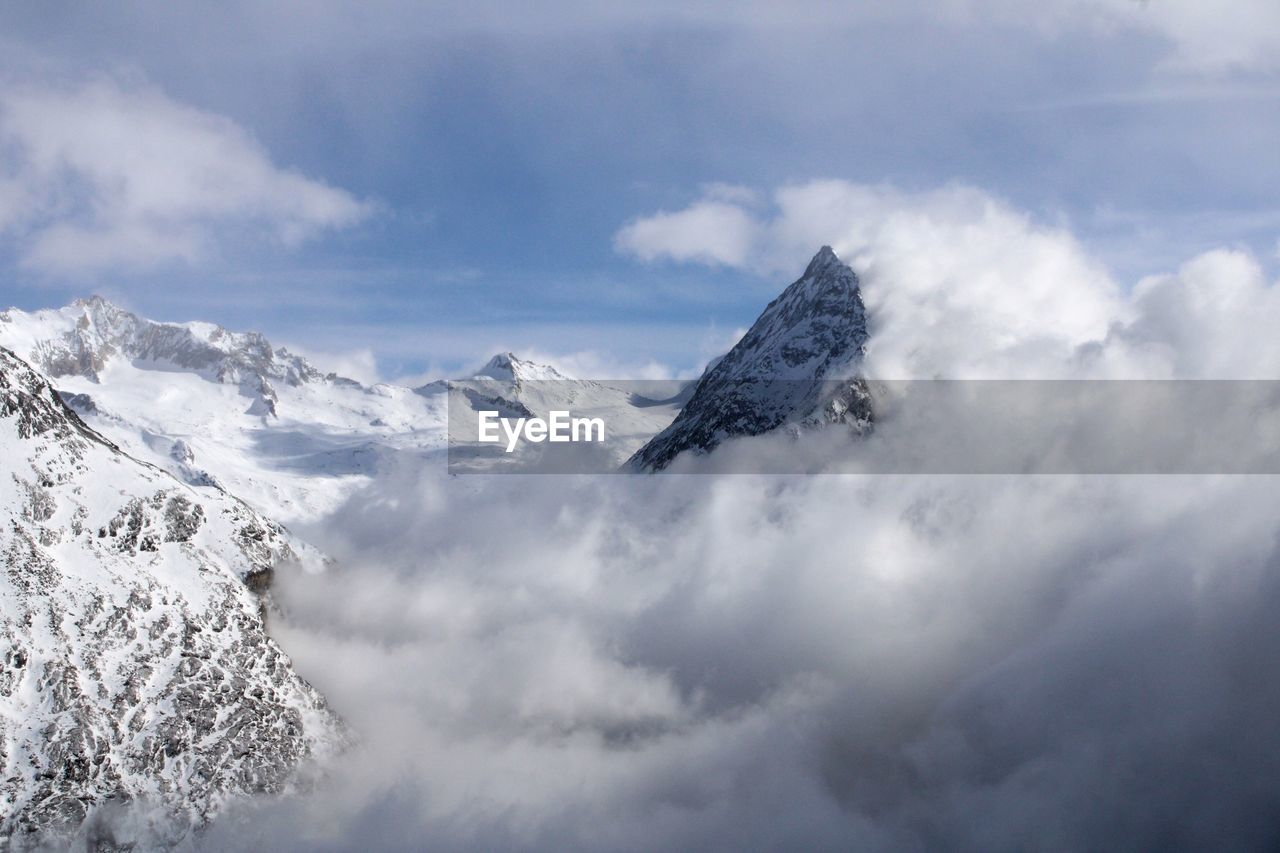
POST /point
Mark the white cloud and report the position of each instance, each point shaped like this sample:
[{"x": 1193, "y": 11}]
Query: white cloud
[
  {"x": 103, "y": 175},
  {"x": 713, "y": 231},
  {"x": 957, "y": 282},
  {"x": 960, "y": 284},
  {"x": 1215, "y": 317}
]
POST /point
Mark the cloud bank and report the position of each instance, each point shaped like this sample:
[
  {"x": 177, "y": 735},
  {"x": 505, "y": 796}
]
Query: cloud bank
[
  {"x": 760, "y": 663},
  {"x": 107, "y": 176}
]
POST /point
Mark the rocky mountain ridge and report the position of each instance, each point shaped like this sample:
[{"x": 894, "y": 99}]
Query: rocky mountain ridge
[
  {"x": 82, "y": 338},
  {"x": 136, "y": 663}
]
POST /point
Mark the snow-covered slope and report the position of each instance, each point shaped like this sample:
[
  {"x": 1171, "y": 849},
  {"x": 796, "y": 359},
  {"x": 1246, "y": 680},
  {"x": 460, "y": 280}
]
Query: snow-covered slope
[
  {"x": 797, "y": 365},
  {"x": 134, "y": 661},
  {"x": 217, "y": 407},
  {"x": 220, "y": 408}
]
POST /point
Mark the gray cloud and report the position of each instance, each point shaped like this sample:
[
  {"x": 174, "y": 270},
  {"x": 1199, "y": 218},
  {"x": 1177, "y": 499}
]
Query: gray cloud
[
  {"x": 1240, "y": 34},
  {"x": 754, "y": 663}
]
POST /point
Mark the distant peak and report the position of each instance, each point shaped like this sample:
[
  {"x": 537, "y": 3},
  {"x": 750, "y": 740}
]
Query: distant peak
[
  {"x": 503, "y": 360},
  {"x": 104, "y": 311},
  {"x": 93, "y": 301},
  {"x": 506, "y": 365},
  {"x": 825, "y": 259}
]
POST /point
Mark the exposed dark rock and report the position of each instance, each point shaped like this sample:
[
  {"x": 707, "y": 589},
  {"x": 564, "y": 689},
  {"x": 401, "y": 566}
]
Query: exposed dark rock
[{"x": 797, "y": 366}]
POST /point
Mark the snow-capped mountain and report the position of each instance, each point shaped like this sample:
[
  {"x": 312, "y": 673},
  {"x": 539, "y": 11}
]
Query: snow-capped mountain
[
  {"x": 796, "y": 366},
  {"x": 507, "y": 367},
  {"x": 134, "y": 660},
  {"x": 81, "y": 339},
  {"x": 215, "y": 407}
]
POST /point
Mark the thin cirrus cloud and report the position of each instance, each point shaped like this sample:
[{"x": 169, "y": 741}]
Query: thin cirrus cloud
[
  {"x": 108, "y": 176},
  {"x": 1206, "y": 38},
  {"x": 1196, "y": 37}
]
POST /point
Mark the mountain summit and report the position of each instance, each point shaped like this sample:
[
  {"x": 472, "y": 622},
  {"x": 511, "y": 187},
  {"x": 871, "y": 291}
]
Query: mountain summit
[
  {"x": 797, "y": 365},
  {"x": 506, "y": 366}
]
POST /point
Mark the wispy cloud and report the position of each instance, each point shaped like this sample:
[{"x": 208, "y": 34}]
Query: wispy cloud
[
  {"x": 105, "y": 175},
  {"x": 711, "y": 231}
]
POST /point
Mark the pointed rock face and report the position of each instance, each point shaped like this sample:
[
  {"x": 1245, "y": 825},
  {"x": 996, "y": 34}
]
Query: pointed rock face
[
  {"x": 797, "y": 365},
  {"x": 134, "y": 659}
]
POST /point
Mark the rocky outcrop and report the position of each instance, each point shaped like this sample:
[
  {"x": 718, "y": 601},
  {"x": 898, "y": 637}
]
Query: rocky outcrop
[
  {"x": 134, "y": 659},
  {"x": 797, "y": 366}
]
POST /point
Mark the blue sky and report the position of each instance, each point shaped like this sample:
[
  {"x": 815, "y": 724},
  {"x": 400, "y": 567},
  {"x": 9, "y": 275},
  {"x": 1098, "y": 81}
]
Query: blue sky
[{"x": 429, "y": 182}]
